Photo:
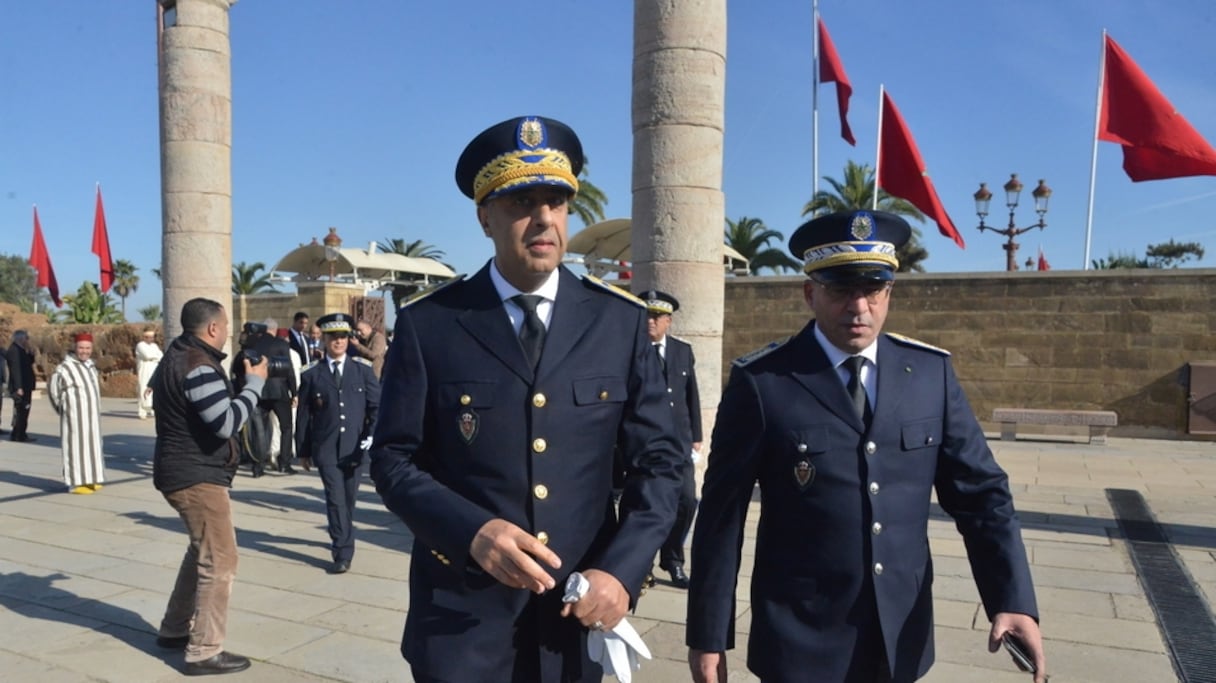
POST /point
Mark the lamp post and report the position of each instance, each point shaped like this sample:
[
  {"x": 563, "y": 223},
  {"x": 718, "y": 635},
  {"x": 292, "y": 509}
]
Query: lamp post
[
  {"x": 333, "y": 245},
  {"x": 1013, "y": 188}
]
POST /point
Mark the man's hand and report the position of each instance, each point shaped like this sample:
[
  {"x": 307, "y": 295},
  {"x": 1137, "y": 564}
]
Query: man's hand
[
  {"x": 147, "y": 392},
  {"x": 707, "y": 667},
  {"x": 604, "y": 604},
  {"x": 506, "y": 552},
  {"x": 259, "y": 370},
  {"x": 1026, "y": 629}
]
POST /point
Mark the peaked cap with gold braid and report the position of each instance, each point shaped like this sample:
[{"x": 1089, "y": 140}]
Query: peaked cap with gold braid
[
  {"x": 520, "y": 153},
  {"x": 851, "y": 245}
]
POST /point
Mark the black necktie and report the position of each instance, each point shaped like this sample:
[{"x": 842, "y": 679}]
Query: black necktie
[
  {"x": 658, "y": 350},
  {"x": 338, "y": 374},
  {"x": 857, "y": 391},
  {"x": 532, "y": 331}
]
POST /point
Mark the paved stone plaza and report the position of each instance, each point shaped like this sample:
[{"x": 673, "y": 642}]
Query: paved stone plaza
[{"x": 84, "y": 579}]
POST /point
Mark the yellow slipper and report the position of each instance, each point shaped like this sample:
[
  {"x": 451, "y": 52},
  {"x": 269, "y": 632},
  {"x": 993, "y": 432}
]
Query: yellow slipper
[
  {"x": 95, "y": 487},
  {"x": 83, "y": 490}
]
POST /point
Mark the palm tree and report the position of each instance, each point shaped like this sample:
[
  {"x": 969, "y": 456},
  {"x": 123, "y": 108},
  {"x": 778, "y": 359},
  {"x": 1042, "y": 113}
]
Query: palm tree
[
  {"x": 750, "y": 237},
  {"x": 416, "y": 249},
  {"x": 89, "y": 305},
  {"x": 589, "y": 203},
  {"x": 150, "y": 313},
  {"x": 125, "y": 282},
  {"x": 856, "y": 193},
  {"x": 248, "y": 279}
]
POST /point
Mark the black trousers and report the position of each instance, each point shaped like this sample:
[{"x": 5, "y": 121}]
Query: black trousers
[
  {"x": 341, "y": 492},
  {"x": 21, "y": 418},
  {"x": 672, "y": 552}
]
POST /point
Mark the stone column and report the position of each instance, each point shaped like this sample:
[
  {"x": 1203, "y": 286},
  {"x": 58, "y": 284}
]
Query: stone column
[
  {"x": 195, "y": 154},
  {"x": 679, "y": 99}
]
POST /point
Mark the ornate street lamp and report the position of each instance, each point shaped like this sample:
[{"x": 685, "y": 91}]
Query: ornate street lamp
[
  {"x": 333, "y": 246},
  {"x": 1013, "y": 189}
]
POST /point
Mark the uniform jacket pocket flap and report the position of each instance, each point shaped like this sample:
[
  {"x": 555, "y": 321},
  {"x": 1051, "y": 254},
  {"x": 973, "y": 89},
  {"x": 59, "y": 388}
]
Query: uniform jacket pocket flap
[
  {"x": 470, "y": 394},
  {"x": 599, "y": 390},
  {"x": 923, "y": 434},
  {"x": 813, "y": 439}
]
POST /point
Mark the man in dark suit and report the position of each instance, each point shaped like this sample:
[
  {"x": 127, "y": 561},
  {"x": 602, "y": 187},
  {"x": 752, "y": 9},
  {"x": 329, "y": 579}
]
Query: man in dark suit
[
  {"x": 848, "y": 431},
  {"x": 505, "y": 395},
  {"x": 339, "y": 401},
  {"x": 298, "y": 337},
  {"x": 278, "y": 395},
  {"x": 679, "y": 370},
  {"x": 20, "y": 383}
]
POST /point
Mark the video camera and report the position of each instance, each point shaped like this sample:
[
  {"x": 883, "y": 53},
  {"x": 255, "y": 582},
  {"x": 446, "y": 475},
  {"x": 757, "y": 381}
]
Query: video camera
[{"x": 276, "y": 366}]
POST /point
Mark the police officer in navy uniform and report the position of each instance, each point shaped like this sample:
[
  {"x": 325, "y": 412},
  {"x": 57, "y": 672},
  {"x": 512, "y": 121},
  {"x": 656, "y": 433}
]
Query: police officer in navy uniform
[
  {"x": 848, "y": 432},
  {"x": 679, "y": 370},
  {"x": 338, "y": 403},
  {"x": 505, "y": 394}
]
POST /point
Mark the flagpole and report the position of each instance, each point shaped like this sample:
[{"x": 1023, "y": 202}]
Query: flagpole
[
  {"x": 878, "y": 149},
  {"x": 815, "y": 100},
  {"x": 1093, "y": 160}
]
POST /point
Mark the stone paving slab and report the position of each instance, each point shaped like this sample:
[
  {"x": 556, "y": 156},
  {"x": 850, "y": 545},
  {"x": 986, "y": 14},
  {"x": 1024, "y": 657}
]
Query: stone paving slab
[{"x": 84, "y": 579}]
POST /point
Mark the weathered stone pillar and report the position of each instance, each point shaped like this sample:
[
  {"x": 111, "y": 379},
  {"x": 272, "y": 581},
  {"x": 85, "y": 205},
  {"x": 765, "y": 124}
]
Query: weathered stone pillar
[
  {"x": 679, "y": 99},
  {"x": 195, "y": 154}
]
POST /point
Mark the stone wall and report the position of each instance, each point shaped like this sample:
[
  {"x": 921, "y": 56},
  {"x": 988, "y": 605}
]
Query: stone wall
[{"x": 1095, "y": 340}]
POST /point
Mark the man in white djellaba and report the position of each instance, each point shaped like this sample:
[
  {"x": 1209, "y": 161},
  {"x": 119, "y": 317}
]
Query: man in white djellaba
[
  {"x": 147, "y": 357},
  {"x": 75, "y": 393}
]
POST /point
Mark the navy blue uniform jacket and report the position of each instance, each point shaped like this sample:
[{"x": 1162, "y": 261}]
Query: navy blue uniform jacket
[
  {"x": 864, "y": 501},
  {"x": 682, "y": 391},
  {"x": 331, "y": 423},
  {"x": 468, "y": 434}
]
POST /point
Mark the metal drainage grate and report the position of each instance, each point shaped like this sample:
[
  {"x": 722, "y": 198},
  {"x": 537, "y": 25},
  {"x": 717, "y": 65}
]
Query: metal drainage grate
[{"x": 1184, "y": 618}]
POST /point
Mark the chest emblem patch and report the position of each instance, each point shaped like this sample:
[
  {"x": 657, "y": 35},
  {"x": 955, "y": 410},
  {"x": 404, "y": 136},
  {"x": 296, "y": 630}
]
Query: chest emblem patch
[
  {"x": 469, "y": 423},
  {"x": 804, "y": 474}
]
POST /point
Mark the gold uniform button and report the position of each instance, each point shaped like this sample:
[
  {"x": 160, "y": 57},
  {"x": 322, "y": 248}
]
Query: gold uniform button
[
  {"x": 603, "y": 395},
  {"x": 465, "y": 399},
  {"x": 540, "y": 491},
  {"x": 539, "y": 445},
  {"x": 542, "y": 537},
  {"x": 877, "y": 569},
  {"x": 876, "y": 528},
  {"x": 539, "y": 400}
]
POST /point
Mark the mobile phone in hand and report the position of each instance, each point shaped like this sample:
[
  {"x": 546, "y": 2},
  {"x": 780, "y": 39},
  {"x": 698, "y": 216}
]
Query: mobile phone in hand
[{"x": 1018, "y": 651}]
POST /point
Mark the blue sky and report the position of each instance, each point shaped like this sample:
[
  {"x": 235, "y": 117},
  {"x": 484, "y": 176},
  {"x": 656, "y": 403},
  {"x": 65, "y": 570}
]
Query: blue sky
[{"x": 353, "y": 115}]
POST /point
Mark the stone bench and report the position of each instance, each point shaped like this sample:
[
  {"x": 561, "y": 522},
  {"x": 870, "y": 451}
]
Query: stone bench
[{"x": 1098, "y": 421}]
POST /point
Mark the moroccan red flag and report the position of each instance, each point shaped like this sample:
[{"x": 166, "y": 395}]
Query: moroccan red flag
[
  {"x": 902, "y": 173},
  {"x": 101, "y": 245},
  {"x": 1157, "y": 141},
  {"x": 831, "y": 70},
  {"x": 1043, "y": 264},
  {"x": 40, "y": 259}
]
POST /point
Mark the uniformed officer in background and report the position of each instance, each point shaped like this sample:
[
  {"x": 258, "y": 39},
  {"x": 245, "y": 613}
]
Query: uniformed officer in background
[
  {"x": 848, "y": 431},
  {"x": 679, "y": 370},
  {"x": 338, "y": 404},
  {"x": 504, "y": 396}
]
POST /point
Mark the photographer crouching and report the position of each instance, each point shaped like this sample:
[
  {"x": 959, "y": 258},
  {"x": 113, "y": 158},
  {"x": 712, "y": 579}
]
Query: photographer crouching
[
  {"x": 258, "y": 340},
  {"x": 197, "y": 415}
]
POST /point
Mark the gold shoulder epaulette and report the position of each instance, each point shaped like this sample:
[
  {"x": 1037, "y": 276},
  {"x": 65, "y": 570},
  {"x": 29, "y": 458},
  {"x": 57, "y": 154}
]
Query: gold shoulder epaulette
[
  {"x": 916, "y": 343},
  {"x": 419, "y": 296},
  {"x": 361, "y": 359},
  {"x": 613, "y": 289},
  {"x": 752, "y": 356}
]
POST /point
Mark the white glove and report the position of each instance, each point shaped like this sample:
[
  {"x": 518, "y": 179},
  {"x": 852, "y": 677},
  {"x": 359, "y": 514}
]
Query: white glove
[
  {"x": 696, "y": 456},
  {"x": 365, "y": 444},
  {"x": 617, "y": 650}
]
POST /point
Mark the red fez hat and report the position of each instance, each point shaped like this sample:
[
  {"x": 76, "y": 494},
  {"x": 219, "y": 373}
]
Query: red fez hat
[{"x": 84, "y": 336}]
